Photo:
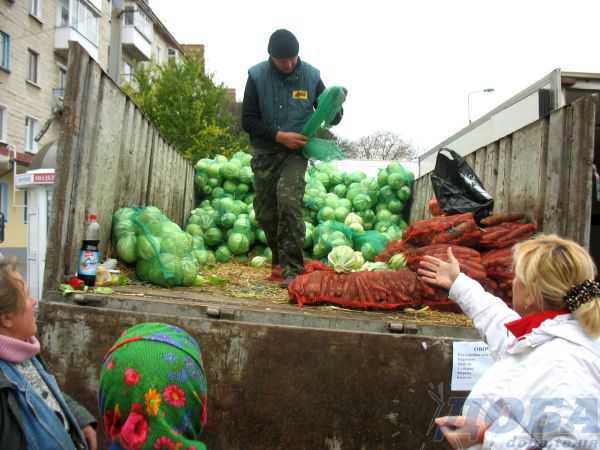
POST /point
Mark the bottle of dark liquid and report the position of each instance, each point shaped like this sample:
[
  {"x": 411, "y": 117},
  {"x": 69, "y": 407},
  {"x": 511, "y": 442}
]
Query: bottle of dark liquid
[{"x": 89, "y": 255}]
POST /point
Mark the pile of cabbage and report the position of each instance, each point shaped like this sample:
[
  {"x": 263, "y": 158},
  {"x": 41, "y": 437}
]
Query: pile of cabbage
[
  {"x": 340, "y": 208},
  {"x": 161, "y": 251}
]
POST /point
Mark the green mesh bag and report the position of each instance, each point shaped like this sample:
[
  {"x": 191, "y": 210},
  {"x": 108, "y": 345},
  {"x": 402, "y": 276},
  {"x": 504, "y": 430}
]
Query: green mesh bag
[
  {"x": 329, "y": 105},
  {"x": 322, "y": 150},
  {"x": 371, "y": 243},
  {"x": 328, "y": 235},
  {"x": 162, "y": 251}
]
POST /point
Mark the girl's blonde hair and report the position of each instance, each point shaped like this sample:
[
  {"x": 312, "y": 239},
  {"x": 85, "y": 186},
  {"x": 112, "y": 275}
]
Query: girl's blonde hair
[
  {"x": 12, "y": 288},
  {"x": 548, "y": 267}
]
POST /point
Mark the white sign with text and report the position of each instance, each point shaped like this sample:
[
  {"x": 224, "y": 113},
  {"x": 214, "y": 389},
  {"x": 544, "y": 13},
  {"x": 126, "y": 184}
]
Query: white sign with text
[{"x": 469, "y": 361}]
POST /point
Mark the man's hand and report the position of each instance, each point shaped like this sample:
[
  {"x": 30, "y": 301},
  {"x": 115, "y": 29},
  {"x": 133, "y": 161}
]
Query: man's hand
[
  {"x": 90, "y": 436},
  {"x": 461, "y": 432},
  {"x": 438, "y": 272},
  {"x": 293, "y": 141}
]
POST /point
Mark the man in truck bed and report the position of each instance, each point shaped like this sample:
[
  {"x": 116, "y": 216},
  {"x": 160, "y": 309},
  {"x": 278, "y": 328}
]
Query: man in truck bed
[{"x": 281, "y": 94}]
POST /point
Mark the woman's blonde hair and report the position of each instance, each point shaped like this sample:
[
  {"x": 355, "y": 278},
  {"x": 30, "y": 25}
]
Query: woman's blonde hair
[
  {"x": 548, "y": 267},
  {"x": 12, "y": 288}
]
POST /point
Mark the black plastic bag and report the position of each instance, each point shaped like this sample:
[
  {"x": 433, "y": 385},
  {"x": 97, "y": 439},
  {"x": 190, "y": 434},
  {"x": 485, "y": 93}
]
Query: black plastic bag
[{"x": 457, "y": 187}]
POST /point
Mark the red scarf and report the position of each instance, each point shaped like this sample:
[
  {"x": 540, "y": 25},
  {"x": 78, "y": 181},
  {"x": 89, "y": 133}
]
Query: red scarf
[{"x": 526, "y": 324}]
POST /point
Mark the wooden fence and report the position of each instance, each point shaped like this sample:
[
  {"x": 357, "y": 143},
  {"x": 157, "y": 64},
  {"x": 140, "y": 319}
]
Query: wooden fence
[
  {"x": 109, "y": 156},
  {"x": 543, "y": 170}
]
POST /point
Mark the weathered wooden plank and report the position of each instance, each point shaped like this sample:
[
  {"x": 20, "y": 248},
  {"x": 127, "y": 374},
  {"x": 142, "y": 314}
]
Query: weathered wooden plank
[
  {"x": 526, "y": 163},
  {"x": 491, "y": 169},
  {"x": 164, "y": 189},
  {"x": 83, "y": 192},
  {"x": 580, "y": 186},
  {"x": 185, "y": 202},
  {"x": 133, "y": 154},
  {"x": 425, "y": 196},
  {"x": 153, "y": 138},
  {"x": 470, "y": 160},
  {"x": 502, "y": 199},
  {"x": 189, "y": 195},
  {"x": 175, "y": 188},
  {"x": 65, "y": 170},
  {"x": 155, "y": 174},
  {"x": 179, "y": 203},
  {"x": 417, "y": 201},
  {"x": 152, "y": 155},
  {"x": 107, "y": 157},
  {"x": 556, "y": 175},
  {"x": 479, "y": 166},
  {"x": 170, "y": 168},
  {"x": 127, "y": 142},
  {"x": 140, "y": 182}
]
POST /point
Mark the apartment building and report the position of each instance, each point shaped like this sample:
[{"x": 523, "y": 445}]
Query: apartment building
[
  {"x": 34, "y": 40},
  {"x": 144, "y": 38}
]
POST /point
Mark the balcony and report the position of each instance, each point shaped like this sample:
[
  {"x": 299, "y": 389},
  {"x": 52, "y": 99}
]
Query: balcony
[
  {"x": 67, "y": 33},
  {"x": 135, "y": 44}
]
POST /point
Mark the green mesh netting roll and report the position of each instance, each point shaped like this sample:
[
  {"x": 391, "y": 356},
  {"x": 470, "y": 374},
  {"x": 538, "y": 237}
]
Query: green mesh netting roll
[
  {"x": 329, "y": 105},
  {"x": 322, "y": 150}
]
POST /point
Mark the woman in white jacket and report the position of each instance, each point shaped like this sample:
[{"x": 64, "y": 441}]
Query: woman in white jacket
[{"x": 543, "y": 392}]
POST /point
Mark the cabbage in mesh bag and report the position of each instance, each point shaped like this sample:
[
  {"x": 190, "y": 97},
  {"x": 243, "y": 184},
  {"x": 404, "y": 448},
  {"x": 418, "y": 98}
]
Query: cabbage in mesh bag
[
  {"x": 344, "y": 259},
  {"x": 162, "y": 252},
  {"x": 371, "y": 243}
]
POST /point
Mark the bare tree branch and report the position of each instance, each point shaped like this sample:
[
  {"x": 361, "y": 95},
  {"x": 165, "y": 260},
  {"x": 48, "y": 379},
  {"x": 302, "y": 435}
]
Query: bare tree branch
[{"x": 384, "y": 145}]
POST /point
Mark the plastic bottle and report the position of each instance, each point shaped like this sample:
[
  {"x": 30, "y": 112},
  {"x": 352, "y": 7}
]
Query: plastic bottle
[{"x": 89, "y": 255}]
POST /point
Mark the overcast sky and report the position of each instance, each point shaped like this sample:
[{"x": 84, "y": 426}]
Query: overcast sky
[{"x": 408, "y": 66}]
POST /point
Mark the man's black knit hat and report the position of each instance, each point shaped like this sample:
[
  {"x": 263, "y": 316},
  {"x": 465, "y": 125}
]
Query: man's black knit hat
[{"x": 283, "y": 44}]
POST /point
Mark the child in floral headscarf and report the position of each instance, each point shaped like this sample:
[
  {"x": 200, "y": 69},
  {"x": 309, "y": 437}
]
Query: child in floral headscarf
[{"x": 153, "y": 390}]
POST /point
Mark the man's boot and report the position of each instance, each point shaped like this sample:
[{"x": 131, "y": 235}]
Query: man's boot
[
  {"x": 276, "y": 274},
  {"x": 287, "y": 281}
]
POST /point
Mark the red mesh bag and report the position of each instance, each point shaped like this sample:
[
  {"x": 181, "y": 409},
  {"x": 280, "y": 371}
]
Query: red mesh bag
[
  {"x": 469, "y": 259},
  {"x": 362, "y": 290},
  {"x": 506, "y": 234},
  {"x": 312, "y": 265},
  {"x": 459, "y": 229},
  {"x": 470, "y": 264},
  {"x": 499, "y": 268},
  {"x": 393, "y": 248}
]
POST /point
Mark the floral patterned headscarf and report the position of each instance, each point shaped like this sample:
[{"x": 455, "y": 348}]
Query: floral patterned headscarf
[{"x": 153, "y": 390}]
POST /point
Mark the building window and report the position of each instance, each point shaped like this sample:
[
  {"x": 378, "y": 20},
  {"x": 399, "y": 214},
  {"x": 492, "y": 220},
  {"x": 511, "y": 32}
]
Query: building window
[
  {"x": 138, "y": 19},
  {"x": 25, "y": 207},
  {"x": 4, "y": 201},
  {"x": 172, "y": 55},
  {"x": 127, "y": 72},
  {"x": 32, "y": 127},
  {"x": 4, "y": 50},
  {"x": 77, "y": 14},
  {"x": 128, "y": 15},
  {"x": 62, "y": 77},
  {"x": 32, "y": 74},
  {"x": 3, "y": 124},
  {"x": 35, "y": 8},
  {"x": 62, "y": 19}
]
